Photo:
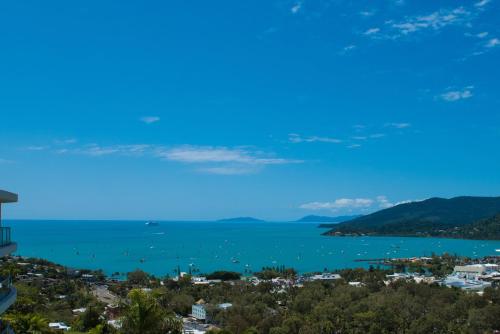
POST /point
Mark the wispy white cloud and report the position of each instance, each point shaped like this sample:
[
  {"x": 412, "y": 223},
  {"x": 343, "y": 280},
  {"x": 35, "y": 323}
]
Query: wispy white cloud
[
  {"x": 493, "y": 43},
  {"x": 347, "y": 48},
  {"x": 193, "y": 154},
  {"x": 406, "y": 202},
  {"x": 350, "y": 142},
  {"x": 98, "y": 150},
  {"x": 436, "y": 20},
  {"x": 398, "y": 125},
  {"x": 484, "y": 46},
  {"x": 460, "y": 16},
  {"x": 209, "y": 154},
  {"x": 222, "y": 160},
  {"x": 341, "y": 203},
  {"x": 296, "y": 7},
  {"x": 367, "y": 13},
  {"x": 455, "y": 95},
  {"x": 354, "y": 204},
  {"x": 150, "y": 119},
  {"x": 37, "y": 148},
  {"x": 211, "y": 159},
  {"x": 295, "y": 138},
  {"x": 372, "y": 136},
  {"x": 371, "y": 31},
  {"x": 383, "y": 202},
  {"x": 482, "y": 3}
]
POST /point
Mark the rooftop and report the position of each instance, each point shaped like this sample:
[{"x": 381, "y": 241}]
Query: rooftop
[{"x": 7, "y": 197}]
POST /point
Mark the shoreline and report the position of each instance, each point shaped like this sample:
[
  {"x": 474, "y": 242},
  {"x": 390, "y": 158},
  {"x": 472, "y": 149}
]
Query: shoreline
[
  {"x": 376, "y": 235},
  {"x": 222, "y": 302},
  {"x": 123, "y": 246}
]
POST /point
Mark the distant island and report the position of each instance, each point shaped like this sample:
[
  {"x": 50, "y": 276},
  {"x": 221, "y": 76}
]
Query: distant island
[
  {"x": 241, "y": 220},
  {"x": 326, "y": 219},
  {"x": 463, "y": 217},
  {"x": 306, "y": 219}
]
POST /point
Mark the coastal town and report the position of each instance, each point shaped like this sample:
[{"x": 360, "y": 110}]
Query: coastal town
[
  {"x": 38, "y": 296},
  {"x": 79, "y": 294}
]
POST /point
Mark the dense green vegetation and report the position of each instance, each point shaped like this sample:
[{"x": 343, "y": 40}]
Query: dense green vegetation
[
  {"x": 224, "y": 275},
  {"x": 484, "y": 229},
  {"x": 143, "y": 314},
  {"x": 268, "y": 273},
  {"x": 50, "y": 298},
  {"x": 327, "y": 307},
  {"x": 432, "y": 217}
]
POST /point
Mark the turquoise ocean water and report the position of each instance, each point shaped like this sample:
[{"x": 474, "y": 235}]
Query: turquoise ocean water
[{"x": 122, "y": 246}]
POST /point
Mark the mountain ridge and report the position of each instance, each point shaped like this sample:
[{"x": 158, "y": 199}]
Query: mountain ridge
[{"x": 423, "y": 217}]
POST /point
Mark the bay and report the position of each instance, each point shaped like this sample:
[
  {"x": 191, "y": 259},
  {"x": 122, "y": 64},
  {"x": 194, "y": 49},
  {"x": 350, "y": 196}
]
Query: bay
[{"x": 122, "y": 246}]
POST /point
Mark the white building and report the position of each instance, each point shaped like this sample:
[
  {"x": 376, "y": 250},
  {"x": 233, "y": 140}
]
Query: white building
[
  {"x": 470, "y": 277},
  {"x": 199, "y": 312},
  {"x": 199, "y": 280},
  {"x": 325, "y": 277},
  {"x": 464, "y": 284},
  {"x": 470, "y": 272},
  {"x": 491, "y": 267},
  {"x": 356, "y": 284},
  {"x": 61, "y": 326}
]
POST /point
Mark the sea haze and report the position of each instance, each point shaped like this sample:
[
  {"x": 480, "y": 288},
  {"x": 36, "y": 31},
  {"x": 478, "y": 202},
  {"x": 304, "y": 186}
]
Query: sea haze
[{"x": 122, "y": 246}]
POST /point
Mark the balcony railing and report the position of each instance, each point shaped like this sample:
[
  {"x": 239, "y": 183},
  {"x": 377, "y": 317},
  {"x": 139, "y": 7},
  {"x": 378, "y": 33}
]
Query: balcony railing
[
  {"x": 8, "y": 294},
  {"x": 5, "y": 285},
  {"x": 5, "y": 236},
  {"x": 5, "y": 328}
]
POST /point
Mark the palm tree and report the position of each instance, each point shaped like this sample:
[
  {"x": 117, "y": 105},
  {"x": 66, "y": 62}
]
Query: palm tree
[
  {"x": 172, "y": 325},
  {"x": 28, "y": 323},
  {"x": 144, "y": 315}
]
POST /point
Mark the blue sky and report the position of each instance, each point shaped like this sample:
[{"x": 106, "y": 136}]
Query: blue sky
[{"x": 274, "y": 109}]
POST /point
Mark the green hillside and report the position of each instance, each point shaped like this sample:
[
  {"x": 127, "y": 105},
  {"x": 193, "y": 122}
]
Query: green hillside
[
  {"x": 429, "y": 217},
  {"x": 486, "y": 229}
]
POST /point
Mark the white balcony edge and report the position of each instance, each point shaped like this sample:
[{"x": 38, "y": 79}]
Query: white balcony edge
[
  {"x": 8, "y": 300},
  {"x": 8, "y": 249}
]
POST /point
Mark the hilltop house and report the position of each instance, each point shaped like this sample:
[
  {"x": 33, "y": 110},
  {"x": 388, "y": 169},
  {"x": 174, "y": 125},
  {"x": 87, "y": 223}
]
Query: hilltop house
[{"x": 199, "y": 310}]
